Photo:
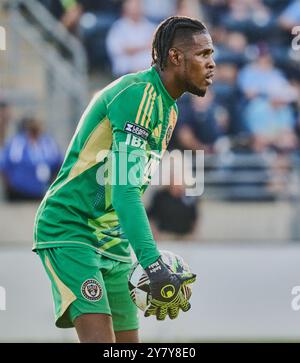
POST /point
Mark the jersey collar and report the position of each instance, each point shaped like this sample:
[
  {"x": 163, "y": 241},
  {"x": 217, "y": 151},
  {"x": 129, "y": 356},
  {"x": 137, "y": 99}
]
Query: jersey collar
[{"x": 170, "y": 100}]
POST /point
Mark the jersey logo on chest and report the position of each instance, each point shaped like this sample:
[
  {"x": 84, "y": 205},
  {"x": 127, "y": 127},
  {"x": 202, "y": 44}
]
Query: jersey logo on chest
[{"x": 136, "y": 130}]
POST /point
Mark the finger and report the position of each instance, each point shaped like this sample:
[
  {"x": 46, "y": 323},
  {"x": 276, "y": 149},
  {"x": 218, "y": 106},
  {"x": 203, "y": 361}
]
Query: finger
[
  {"x": 186, "y": 291},
  {"x": 185, "y": 305},
  {"x": 149, "y": 313},
  {"x": 173, "y": 312},
  {"x": 183, "y": 302},
  {"x": 161, "y": 313},
  {"x": 187, "y": 278},
  {"x": 150, "y": 310}
]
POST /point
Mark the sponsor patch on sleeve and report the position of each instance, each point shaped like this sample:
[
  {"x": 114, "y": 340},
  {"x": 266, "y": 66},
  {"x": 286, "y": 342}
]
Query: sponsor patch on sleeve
[{"x": 136, "y": 130}]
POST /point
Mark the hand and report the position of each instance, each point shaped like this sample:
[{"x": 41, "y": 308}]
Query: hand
[{"x": 167, "y": 291}]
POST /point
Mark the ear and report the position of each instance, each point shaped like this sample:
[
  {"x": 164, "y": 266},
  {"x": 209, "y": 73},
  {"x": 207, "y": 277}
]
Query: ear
[{"x": 175, "y": 56}]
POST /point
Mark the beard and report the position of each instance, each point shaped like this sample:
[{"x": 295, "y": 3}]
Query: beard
[
  {"x": 190, "y": 86},
  {"x": 195, "y": 90},
  {"x": 200, "y": 92}
]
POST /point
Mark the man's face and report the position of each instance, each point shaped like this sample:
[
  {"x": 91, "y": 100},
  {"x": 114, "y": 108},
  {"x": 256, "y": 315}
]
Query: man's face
[{"x": 198, "y": 64}]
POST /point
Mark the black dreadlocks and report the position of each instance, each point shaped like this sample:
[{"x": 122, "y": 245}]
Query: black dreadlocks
[{"x": 166, "y": 33}]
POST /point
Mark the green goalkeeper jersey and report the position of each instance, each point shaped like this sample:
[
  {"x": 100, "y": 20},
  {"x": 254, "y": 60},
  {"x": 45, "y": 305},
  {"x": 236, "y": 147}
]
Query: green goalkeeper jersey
[{"x": 128, "y": 123}]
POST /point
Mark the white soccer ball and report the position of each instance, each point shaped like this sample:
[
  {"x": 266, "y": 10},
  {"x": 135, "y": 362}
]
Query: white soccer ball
[{"x": 138, "y": 281}]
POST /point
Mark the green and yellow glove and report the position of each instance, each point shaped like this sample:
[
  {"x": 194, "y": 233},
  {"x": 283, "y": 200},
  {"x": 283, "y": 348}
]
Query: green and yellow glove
[{"x": 167, "y": 291}]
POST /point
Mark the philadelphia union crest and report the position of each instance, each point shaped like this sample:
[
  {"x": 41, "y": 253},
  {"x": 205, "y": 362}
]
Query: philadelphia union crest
[{"x": 91, "y": 290}]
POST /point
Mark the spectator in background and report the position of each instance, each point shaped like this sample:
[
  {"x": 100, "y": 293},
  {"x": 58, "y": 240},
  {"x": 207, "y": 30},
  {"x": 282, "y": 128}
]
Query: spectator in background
[
  {"x": 228, "y": 95},
  {"x": 261, "y": 76},
  {"x": 129, "y": 40},
  {"x": 201, "y": 125},
  {"x": 29, "y": 162},
  {"x": 214, "y": 10},
  {"x": 69, "y": 12},
  {"x": 111, "y": 7},
  {"x": 189, "y": 8},
  {"x": 232, "y": 48},
  {"x": 173, "y": 214},
  {"x": 271, "y": 121},
  {"x": 250, "y": 17},
  {"x": 89, "y": 19},
  {"x": 5, "y": 115},
  {"x": 231, "y": 53},
  {"x": 66, "y": 11},
  {"x": 158, "y": 10},
  {"x": 95, "y": 22},
  {"x": 290, "y": 17}
]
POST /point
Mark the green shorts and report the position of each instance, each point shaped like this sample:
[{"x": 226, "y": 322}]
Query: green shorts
[{"x": 85, "y": 282}]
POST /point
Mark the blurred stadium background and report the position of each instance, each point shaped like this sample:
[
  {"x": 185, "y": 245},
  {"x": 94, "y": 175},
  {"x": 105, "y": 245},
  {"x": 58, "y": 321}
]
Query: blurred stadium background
[{"x": 242, "y": 236}]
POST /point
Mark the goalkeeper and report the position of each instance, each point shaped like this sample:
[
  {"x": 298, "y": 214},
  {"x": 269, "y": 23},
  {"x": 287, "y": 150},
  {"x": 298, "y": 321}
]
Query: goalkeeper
[{"x": 93, "y": 210}]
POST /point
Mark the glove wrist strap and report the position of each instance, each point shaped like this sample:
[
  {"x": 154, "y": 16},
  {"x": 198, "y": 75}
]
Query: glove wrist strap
[{"x": 157, "y": 270}]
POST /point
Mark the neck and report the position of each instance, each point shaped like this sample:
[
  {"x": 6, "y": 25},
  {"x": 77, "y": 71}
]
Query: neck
[{"x": 168, "y": 79}]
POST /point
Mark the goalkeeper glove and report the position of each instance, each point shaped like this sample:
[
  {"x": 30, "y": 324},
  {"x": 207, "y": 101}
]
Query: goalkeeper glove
[{"x": 166, "y": 289}]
